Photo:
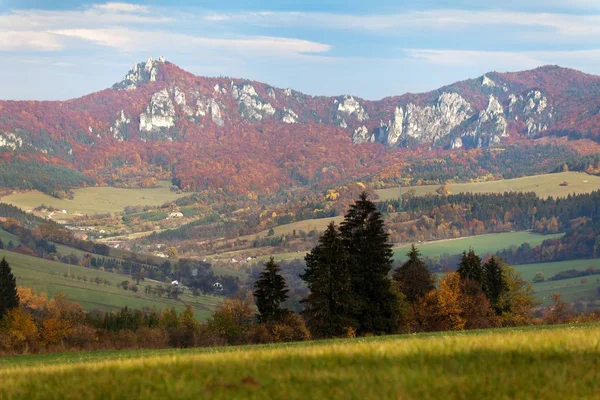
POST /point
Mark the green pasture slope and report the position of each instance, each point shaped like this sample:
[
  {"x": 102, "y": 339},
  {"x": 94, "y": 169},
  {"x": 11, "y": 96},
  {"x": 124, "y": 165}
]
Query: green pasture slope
[
  {"x": 96, "y": 200},
  {"x": 541, "y": 363},
  {"x": 48, "y": 276},
  {"x": 543, "y": 185},
  {"x": 574, "y": 289},
  {"x": 482, "y": 244}
]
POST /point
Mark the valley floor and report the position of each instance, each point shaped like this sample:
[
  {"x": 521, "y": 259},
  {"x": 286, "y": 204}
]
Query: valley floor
[{"x": 557, "y": 362}]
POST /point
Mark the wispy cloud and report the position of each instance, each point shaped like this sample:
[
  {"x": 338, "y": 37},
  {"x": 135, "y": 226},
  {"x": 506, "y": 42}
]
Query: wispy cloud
[
  {"x": 129, "y": 40},
  {"x": 571, "y": 25},
  {"x": 122, "y": 7},
  {"x": 13, "y": 41},
  {"x": 505, "y": 60}
]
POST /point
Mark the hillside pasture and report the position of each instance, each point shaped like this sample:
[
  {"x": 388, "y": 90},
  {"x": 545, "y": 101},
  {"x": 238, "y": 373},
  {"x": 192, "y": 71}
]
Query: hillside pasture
[
  {"x": 49, "y": 277},
  {"x": 543, "y": 362},
  {"x": 482, "y": 244},
  {"x": 95, "y": 200},
  {"x": 543, "y": 185}
]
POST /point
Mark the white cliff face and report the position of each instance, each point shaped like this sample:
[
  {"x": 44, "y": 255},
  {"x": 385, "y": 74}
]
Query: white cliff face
[
  {"x": 209, "y": 106},
  {"x": 351, "y": 107},
  {"x": 180, "y": 100},
  {"x": 215, "y": 112},
  {"x": 362, "y": 135},
  {"x": 428, "y": 124},
  {"x": 287, "y": 92},
  {"x": 537, "y": 111},
  {"x": 139, "y": 73},
  {"x": 119, "y": 128},
  {"x": 250, "y": 104},
  {"x": 487, "y": 82},
  {"x": 396, "y": 127},
  {"x": 160, "y": 113},
  {"x": 289, "y": 117},
  {"x": 10, "y": 141},
  {"x": 491, "y": 124}
]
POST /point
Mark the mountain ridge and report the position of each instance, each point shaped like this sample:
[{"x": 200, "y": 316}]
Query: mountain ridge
[{"x": 163, "y": 118}]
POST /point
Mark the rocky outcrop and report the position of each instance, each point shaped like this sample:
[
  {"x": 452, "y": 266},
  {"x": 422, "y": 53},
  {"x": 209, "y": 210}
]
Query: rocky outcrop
[
  {"x": 250, "y": 104},
  {"x": 140, "y": 73},
  {"x": 159, "y": 115},
  {"x": 10, "y": 141},
  {"x": 426, "y": 124},
  {"x": 120, "y": 127},
  {"x": 289, "y": 116},
  {"x": 349, "y": 106},
  {"x": 362, "y": 135},
  {"x": 490, "y": 127}
]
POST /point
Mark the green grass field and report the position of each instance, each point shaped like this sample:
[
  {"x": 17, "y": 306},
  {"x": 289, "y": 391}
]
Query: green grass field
[
  {"x": 481, "y": 244},
  {"x": 95, "y": 200},
  {"x": 583, "y": 288},
  {"x": 544, "y": 185},
  {"x": 560, "y": 362},
  {"x": 48, "y": 276}
]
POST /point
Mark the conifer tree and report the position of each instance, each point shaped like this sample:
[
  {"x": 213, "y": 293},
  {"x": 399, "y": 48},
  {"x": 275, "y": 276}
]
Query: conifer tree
[
  {"x": 494, "y": 284},
  {"x": 270, "y": 292},
  {"x": 9, "y": 298},
  {"x": 370, "y": 257},
  {"x": 470, "y": 267},
  {"x": 329, "y": 305},
  {"x": 413, "y": 277},
  {"x": 1, "y": 244}
]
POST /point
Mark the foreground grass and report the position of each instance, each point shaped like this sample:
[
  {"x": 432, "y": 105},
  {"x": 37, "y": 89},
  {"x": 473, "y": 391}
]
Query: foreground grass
[
  {"x": 555, "y": 363},
  {"x": 543, "y": 185}
]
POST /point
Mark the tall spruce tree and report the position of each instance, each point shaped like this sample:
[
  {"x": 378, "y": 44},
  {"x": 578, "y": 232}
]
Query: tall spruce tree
[
  {"x": 270, "y": 292},
  {"x": 370, "y": 257},
  {"x": 470, "y": 267},
  {"x": 329, "y": 305},
  {"x": 9, "y": 298},
  {"x": 494, "y": 284},
  {"x": 413, "y": 277}
]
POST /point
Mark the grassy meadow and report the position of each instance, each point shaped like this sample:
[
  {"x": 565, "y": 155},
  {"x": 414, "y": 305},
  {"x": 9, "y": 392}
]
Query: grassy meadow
[
  {"x": 48, "y": 276},
  {"x": 543, "y": 185},
  {"x": 481, "y": 244},
  {"x": 560, "y": 362},
  {"x": 95, "y": 200}
]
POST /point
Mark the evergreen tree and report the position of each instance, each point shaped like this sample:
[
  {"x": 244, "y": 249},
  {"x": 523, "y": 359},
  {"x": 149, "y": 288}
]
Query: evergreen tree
[
  {"x": 494, "y": 284},
  {"x": 270, "y": 292},
  {"x": 329, "y": 306},
  {"x": 11, "y": 245},
  {"x": 413, "y": 277},
  {"x": 1, "y": 244},
  {"x": 370, "y": 257},
  {"x": 470, "y": 267},
  {"x": 9, "y": 298}
]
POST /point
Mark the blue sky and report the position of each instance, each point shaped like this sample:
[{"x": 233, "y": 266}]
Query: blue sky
[{"x": 55, "y": 49}]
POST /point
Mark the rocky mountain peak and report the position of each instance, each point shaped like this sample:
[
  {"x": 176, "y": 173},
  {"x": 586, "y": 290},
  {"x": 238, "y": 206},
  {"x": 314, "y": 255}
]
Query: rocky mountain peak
[{"x": 140, "y": 73}]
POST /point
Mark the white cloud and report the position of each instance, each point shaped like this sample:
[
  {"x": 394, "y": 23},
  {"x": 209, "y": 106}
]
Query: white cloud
[
  {"x": 29, "y": 41},
  {"x": 500, "y": 60},
  {"x": 122, "y": 7},
  {"x": 568, "y": 25},
  {"x": 137, "y": 40}
]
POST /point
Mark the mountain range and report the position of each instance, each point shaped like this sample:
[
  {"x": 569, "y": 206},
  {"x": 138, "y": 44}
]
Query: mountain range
[{"x": 160, "y": 116}]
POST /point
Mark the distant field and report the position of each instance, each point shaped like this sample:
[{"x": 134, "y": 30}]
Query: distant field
[
  {"x": 48, "y": 276},
  {"x": 306, "y": 226},
  {"x": 571, "y": 289},
  {"x": 559, "y": 362},
  {"x": 544, "y": 185},
  {"x": 481, "y": 244},
  {"x": 95, "y": 200}
]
